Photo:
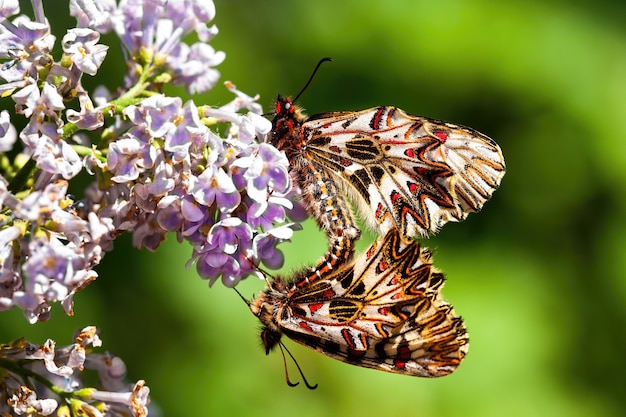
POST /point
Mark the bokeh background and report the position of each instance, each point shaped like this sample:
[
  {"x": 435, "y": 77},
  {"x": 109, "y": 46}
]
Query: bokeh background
[{"x": 538, "y": 275}]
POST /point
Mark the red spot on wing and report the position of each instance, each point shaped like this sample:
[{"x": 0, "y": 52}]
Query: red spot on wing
[
  {"x": 305, "y": 326},
  {"x": 413, "y": 187},
  {"x": 395, "y": 196},
  {"x": 329, "y": 293},
  {"x": 348, "y": 338},
  {"x": 442, "y": 136},
  {"x": 410, "y": 153},
  {"x": 380, "y": 210},
  {"x": 399, "y": 364},
  {"x": 314, "y": 307},
  {"x": 383, "y": 311},
  {"x": 404, "y": 352},
  {"x": 382, "y": 266}
]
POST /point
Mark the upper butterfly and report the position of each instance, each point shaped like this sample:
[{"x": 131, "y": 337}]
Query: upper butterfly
[{"x": 404, "y": 172}]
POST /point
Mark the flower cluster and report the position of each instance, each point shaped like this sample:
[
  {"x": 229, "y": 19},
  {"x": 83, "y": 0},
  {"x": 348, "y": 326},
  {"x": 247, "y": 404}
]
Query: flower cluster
[
  {"x": 56, "y": 373},
  {"x": 158, "y": 164}
]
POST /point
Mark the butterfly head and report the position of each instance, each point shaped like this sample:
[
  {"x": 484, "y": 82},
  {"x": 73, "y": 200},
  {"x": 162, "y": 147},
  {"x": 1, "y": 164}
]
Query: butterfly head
[
  {"x": 287, "y": 123},
  {"x": 284, "y": 107},
  {"x": 263, "y": 308},
  {"x": 270, "y": 338}
]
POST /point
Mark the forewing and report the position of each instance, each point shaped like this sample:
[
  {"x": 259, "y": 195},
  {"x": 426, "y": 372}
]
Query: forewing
[
  {"x": 406, "y": 172},
  {"x": 383, "y": 311}
]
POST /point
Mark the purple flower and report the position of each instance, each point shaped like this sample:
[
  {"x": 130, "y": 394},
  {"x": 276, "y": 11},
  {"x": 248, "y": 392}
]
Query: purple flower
[
  {"x": 193, "y": 66},
  {"x": 26, "y": 45},
  {"x": 193, "y": 16},
  {"x": 93, "y": 14},
  {"x": 157, "y": 114},
  {"x": 263, "y": 170},
  {"x": 215, "y": 186},
  {"x": 81, "y": 48},
  {"x": 264, "y": 245},
  {"x": 38, "y": 104},
  {"x": 264, "y": 216},
  {"x": 195, "y": 220},
  {"x": 149, "y": 234},
  {"x": 9, "y": 8},
  {"x": 131, "y": 155},
  {"x": 192, "y": 137},
  {"x": 47, "y": 270},
  {"x": 9, "y": 277},
  {"x": 53, "y": 155},
  {"x": 170, "y": 214},
  {"x": 212, "y": 262},
  {"x": 231, "y": 235},
  {"x": 244, "y": 101},
  {"x": 88, "y": 118}
]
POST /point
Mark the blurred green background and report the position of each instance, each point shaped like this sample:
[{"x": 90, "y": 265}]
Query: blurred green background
[{"x": 538, "y": 275}]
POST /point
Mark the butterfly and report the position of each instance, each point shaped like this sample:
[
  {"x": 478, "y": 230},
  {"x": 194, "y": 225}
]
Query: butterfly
[
  {"x": 383, "y": 311},
  {"x": 403, "y": 172}
]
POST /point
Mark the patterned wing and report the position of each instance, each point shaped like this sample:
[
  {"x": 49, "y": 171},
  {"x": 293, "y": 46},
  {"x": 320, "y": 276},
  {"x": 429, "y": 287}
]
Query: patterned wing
[
  {"x": 384, "y": 311},
  {"x": 406, "y": 172}
]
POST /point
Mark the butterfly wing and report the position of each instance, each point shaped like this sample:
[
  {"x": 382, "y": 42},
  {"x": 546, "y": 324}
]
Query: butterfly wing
[
  {"x": 406, "y": 172},
  {"x": 384, "y": 311}
]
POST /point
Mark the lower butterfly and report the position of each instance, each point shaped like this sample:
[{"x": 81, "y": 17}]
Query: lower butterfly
[{"x": 383, "y": 311}]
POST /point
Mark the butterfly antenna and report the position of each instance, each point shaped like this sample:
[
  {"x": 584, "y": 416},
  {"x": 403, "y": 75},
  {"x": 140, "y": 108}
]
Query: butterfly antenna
[
  {"x": 291, "y": 384},
  {"x": 242, "y": 297},
  {"x": 321, "y": 61},
  {"x": 259, "y": 269},
  {"x": 282, "y": 352}
]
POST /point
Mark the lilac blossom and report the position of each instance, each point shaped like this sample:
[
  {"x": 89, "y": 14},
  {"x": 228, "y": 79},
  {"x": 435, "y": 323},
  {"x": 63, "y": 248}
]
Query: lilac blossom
[
  {"x": 131, "y": 155},
  {"x": 26, "y": 46},
  {"x": 159, "y": 165},
  {"x": 214, "y": 186},
  {"x": 81, "y": 48},
  {"x": 63, "y": 368},
  {"x": 154, "y": 30},
  {"x": 93, "y": 14}
]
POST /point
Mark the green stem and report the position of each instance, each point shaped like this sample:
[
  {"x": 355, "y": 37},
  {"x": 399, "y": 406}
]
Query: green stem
[{"x": 22, "y": 176}]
